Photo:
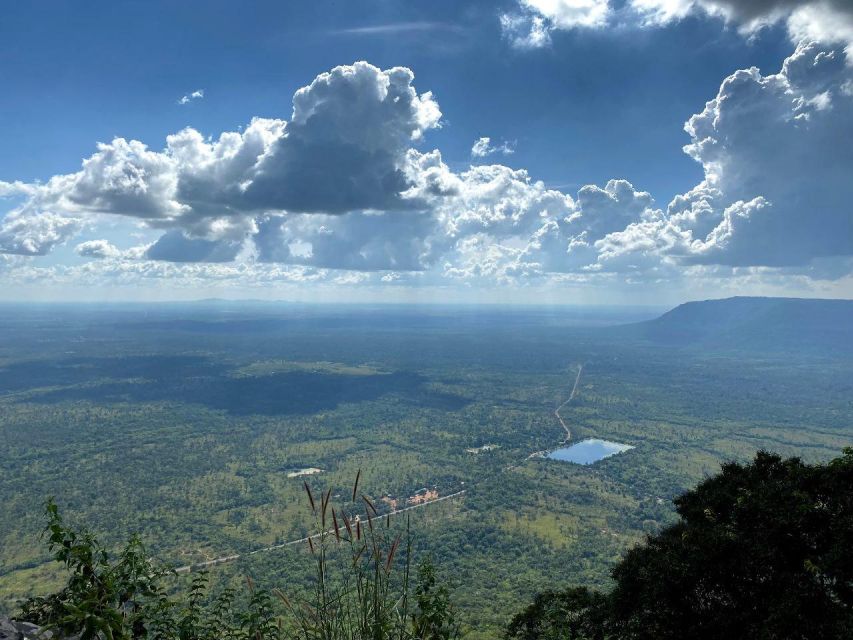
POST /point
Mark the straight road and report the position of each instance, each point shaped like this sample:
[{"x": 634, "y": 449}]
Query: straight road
[{"x": 236, "y": 556}]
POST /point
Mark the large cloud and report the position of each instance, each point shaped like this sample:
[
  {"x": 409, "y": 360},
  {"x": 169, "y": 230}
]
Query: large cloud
[
  {"x": 828, "y": 21},
  {"x": 531, "y": 25},
  {"x": 344, "y": 149},
  {"x": 345, "y": 144},
  {"x": 516, "y": 228},
  {"x": 499, "y": 223},
  {"x": 779, "y": 138},
  {"x": 777, "y": 189}
]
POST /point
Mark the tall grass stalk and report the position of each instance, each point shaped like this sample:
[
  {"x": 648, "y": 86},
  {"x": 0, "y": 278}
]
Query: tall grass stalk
[{"x": 360, "y": 591}]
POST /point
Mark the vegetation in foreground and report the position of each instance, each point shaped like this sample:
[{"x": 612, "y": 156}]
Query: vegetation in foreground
[
  {"x": 361, "y": 589},
  {"x": 761, "y": 550}
]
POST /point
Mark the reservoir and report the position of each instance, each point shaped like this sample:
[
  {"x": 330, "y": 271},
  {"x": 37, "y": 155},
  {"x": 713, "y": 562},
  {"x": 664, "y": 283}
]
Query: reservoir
[{"x": 588, "y": 451}]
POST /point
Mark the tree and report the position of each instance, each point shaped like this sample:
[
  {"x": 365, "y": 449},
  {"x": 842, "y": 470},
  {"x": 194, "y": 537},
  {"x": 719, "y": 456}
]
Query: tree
[
  {"x": 433, "y": 618},
  {"x": 574, "y": 614},
  {"x": 761, "y": 550}
]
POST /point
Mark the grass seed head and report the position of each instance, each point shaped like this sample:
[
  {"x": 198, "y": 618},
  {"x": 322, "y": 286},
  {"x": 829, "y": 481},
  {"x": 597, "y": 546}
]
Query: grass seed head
[
  {"x": 337, "y": 528},
  {"x": 325, "y": 505},
  {"x": 369, "y": 505},
  {"x": 347, "y": 524},
  {"x": 310, "y": 497},
  {"x": 391, "y": 553},
  {"x": 355, "y": 486},
  {"x": 278, "y": 593}
]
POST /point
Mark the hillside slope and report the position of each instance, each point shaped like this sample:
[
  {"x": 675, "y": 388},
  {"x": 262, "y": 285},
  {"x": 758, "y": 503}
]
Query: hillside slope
[{"x": 786, "y": 324}]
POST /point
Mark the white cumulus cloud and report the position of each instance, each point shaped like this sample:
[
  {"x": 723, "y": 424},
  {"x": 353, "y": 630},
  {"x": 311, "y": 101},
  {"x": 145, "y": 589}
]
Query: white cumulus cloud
[
  {"x": 25, "y": 233},
  {"x": 531, "y": 25},
  {"x": 483, "y": 147},
  {"x": 198, "y": 94},
  {"x": 776, "y": 191},
  {"x": 97, "y": 249}
]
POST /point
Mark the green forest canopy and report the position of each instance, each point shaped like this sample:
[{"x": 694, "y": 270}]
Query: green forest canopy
[{"x": 760, "y": 550}]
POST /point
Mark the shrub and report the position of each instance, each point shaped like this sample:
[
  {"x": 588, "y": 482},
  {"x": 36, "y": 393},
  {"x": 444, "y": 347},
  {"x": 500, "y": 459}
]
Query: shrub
[{"x": 361, "y": 589}]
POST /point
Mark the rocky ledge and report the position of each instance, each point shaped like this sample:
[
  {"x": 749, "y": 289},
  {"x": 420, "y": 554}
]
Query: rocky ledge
[{"x": 15, "y": 630}]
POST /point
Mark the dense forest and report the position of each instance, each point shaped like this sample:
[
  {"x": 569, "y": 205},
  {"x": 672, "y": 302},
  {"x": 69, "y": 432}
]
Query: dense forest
[
  {"x": 190, "y": 425},
  {"x": 760, "y": 550}
]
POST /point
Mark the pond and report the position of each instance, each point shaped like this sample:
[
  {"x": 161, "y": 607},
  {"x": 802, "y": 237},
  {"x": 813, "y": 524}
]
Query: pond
[{"x": 588, "y": 451}]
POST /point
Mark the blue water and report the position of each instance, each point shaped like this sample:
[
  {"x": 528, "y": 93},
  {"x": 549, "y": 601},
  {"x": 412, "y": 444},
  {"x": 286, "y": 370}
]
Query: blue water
[{"x": 588, "y": 451}]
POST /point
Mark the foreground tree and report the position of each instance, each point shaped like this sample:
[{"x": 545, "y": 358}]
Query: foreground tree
[
  {"x": 574, "y": 614},
  {"x": 762, "y": 550}
]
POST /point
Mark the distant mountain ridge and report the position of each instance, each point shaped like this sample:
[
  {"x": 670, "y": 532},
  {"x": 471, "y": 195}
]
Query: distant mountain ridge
[{"x": 752, "y": 323}]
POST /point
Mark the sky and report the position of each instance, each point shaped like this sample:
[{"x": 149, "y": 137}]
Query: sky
[{"x": 524, "y": 151}]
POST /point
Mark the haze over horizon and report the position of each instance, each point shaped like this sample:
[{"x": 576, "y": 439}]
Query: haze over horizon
[{"x": 549, "y": 151}]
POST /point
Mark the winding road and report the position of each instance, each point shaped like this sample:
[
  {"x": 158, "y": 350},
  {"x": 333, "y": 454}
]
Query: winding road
[
  {"x": 567, "y": 401},
  {"x": 540, "y": 454}
]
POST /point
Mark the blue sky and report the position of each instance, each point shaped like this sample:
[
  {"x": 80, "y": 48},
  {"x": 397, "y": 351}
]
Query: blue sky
[{"x": 584, "y": 192}]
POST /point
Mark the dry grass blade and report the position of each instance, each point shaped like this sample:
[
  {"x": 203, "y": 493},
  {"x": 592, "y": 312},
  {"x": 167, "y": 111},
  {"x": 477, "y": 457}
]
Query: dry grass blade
[
  {"x": 347, "y": 524},
  {"x": 310, "y": 497},
  {"x": 325, "y": 505},
  {"x": 337, "y": 528},
  {"x": 355, "y": 486},
  {"x": 370, "y": 505},
  {"x": 310, "y": 612},
  {"x": 358, "y": 555},
  {"x": 391, "y": 553},
  {"x": 311, "y": 545},
  {"x": 278, "y": 593}
]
